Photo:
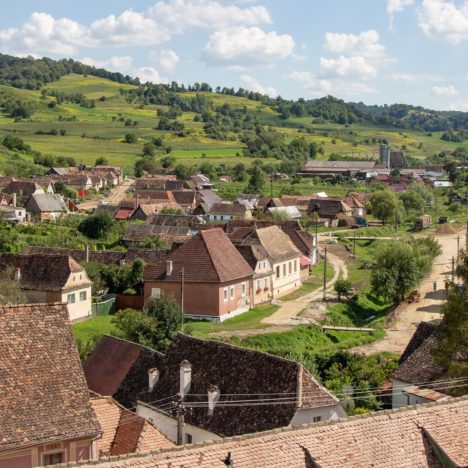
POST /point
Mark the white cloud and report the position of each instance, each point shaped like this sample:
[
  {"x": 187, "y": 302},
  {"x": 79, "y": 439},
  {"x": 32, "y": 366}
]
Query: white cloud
[
  {"x": 396, "y": 6},
  {"x": 347, "y": 67},
  {"x": 443, "y": 20},
  {"x": 365, "y": 44},
  {"x": 116, "y": 63},
  {"x": 445, "y": 90},
  {"x": 254, "y": 85},
  {"x": 459, "y": 106},
  {"x": 242, "y": 46},
  {"x": 167, "y": 59},
  {"x": 149, "y": 74},
  {"x": 415, "y": 77}
]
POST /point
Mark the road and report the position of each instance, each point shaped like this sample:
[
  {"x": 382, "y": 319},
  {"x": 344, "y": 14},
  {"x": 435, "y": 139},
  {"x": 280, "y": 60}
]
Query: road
[
  {"x": 408, "y": 316},
  {"x": 117, "y": 194}
]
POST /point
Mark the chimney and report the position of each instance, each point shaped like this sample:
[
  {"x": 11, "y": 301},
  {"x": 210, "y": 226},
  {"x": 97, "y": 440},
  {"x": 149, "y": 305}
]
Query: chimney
[
  {"x": 168, "y": 267},
  {"x": 153, "y": 377},
  {"x": 213, "y": 397},
  {"x": 185, "y": 377},
  {"x": 87, "y": 253},
  {"x": 17, "y": 274},
  {"x": 14, "y": 199}
]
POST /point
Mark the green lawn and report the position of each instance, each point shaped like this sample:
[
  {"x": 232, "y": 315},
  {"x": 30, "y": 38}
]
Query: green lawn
[
  {"x": 87, "y": 330},
  {"x": 250, "y": 320}
]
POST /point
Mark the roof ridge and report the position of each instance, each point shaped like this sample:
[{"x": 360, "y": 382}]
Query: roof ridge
[
  {"x": 132, "y": 342},
  {"x": 207, "y": 232}
]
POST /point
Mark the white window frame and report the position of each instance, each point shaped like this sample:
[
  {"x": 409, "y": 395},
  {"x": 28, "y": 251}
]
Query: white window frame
[
  {"x": 244, "y": 289},
  {"x": 232, "y": 292},
  {"x": 266, "y": 283},
  {"x": 71, "y": 298},
  {"x": 295, "y": 266},
  {"x": 83, "y": 296},
  {"x": 290, "y": 268},
  {"x": 225, "y": 291},
  {"x": 156, "y": 293},
  {"x": 258, "y": 284}
]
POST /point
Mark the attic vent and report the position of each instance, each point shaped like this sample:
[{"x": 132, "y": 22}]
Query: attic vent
[{"x": 153, "y": 377}]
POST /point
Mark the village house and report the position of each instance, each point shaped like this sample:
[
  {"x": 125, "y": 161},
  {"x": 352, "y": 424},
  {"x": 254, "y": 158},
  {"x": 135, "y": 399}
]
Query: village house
[
  {"x": 137, "y": 233},
  {"x": 147, "y": 210},
  {"x": 22, "y": 190},
  {"x": 415, "y": 379},
  {"x": 425, "y": 436},
  {"x": 119, "y": 369},
  {"x": 220, "y": 212},
  {"x": 46, "y": 206},
  {"x": 12, "y": 214},
  {"x": 329, "y": 209},
  {"x": 51, "y": 278},
  {"x": 217, "y": 279},
  {"x": 216, "y": 379},
  {"x": 46, "y": 417},
  {"x": 124, "y": 432},
  {"x": 186, "y": 199}
]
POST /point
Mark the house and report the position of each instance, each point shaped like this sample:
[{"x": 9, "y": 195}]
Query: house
[
  {"x": 227, "y": 211},
  {"x": 416, "y": 379},
  {"x": 425, "y": 436},
  {"x": 199, "y": 182},
  {"x": 186, "y": 199},
  {"x": 46, "y": 415},
  {"x": 119, "y": 369},
  {"x": 307, "y": 245},
  {"x": 51, "y": 278},
  {"x": 124, "y": 432},
  {"x": 358, "y": 209},
  {"x": 208, "y": 197},
  {"x": 158, "y": 183},
  {"x": 257, "y": 257},
  {"x": 153, "y": 196},
  {"x": 23, "y": 190},
  {"x": 124, "y": 213},
  {"x": 217, "y": 280},
  {"x": 137, "y": 233},
  {"x": 46, "y": 206},
  {"x": 329, "y": 209},
  {"x": 289, "y": 212},
  {"x": 216, "y": 379},
  {"x": 147, "y": 210},
  {"x": 325, "y": 169},
  {"x": 12, "y": 214}
]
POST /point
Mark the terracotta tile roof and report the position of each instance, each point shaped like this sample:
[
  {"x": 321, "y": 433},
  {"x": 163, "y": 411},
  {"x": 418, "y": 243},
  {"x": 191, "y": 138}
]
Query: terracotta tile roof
[
  {"x": 237, "y": 371},
  {"x": 22, "y": 188},
  {"x": 185, "y": 197},
  {"x": 149, "y": 209},
  {"x": 277, "y": 244},
  {"x": 119, "y": 368},
  {"x": 252, "y": 254},
  {"x": 303, "y": 241},
  {"x": 43, "y": 391},
  {"x": 142, "y": 232},
  {"x": 423, "y": 331},
  {"x": 125, "y": 432},
  {"x": 160, "y": 196},
  {"x": 124, "y": 213},
  {"x": 208, "y": 256},
  {"x": 232, "y": 209},
  {"x": 43, "y": 272},
  {"x": 387, "y": 439},
  {"x": 173, "y": 220},
  {"x": 237, "y": 223}
]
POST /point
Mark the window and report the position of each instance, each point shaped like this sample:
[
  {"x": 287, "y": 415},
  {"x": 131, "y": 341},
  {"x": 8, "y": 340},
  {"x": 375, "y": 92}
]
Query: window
[
  {"x": 53, "y": 458},
  {"x": 156, "y": 293},
  {"x": 71, "y": 298},
  {"x": 277, "y": 271},
  {"x": 232, "y": 292},
  {"x": 317, "y": 419},
  {"x": 83, "y": 296},
  {"x": 290, "y": 267},
  {"x": 244, "y": 289},
  {"x": 284, "y": 269},
  {"x": 295, "y": 266},
  {"x": 266, "y": 283},
  {"x": 258, "y": 284},
  {"x": 225, "y": 294},
  {"x": 188, "y": 438},
  {"x": 215, "y": 217}
]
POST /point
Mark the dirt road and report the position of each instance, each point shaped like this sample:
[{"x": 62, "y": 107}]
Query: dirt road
[
  {"x": 117, "y": 194},
  {"x": 408, "y": 316}
]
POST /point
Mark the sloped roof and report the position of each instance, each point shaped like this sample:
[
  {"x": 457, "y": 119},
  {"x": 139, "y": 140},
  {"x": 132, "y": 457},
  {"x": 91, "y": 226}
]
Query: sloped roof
[
  {"x": 125, "y": 432},
  {"x": 44, "y": 395},
  {"x": 25, "y": 188},
  {"x": 42, "y": 272},
  {"x": 208, "y": 256},
  {"x": 237, "y": 372},
  {"x": 322, "y": 164},
  {"x": 423, "y": 331},
  {"x": 277, "y": 244},
  {"x": 252, "y": 254},
  {"x": 47, "y": 202},
  {"x": 303, "y": 240},
  {"x": 234, "y": 209},
  {"x": 119, "y": 368},
  {"x": 141, "y": 232},
  {"x": 404, "y": 437},
  {"x": 291, "y": 211},
  {"x": 328, "y": 206},
  {"x": 208, "y": 196},
  {"x": 184, "y": 197}
]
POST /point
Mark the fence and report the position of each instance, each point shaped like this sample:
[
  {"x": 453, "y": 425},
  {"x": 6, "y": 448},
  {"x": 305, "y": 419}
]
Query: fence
[
  {"x": 105, "y": 307},
  {"x": 130, "y": 302}
]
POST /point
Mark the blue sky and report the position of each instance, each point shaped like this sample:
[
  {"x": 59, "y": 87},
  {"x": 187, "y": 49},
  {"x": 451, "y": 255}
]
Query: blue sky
[{"x": 375, "y": 51}]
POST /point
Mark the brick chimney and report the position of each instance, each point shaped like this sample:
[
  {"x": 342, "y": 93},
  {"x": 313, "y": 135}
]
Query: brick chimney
[
  {"x": 153, "y": 377},
  {"x": 213, "y": 397},
  {"x": 185, "y": 377}
]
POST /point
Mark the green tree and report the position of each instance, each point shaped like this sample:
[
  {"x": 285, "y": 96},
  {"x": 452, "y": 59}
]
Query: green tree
[
  {"x": 343, "y": 287},
  {"x": 10, "y": 290},
  {"x": 130, "y": 138},
  {"x": 97, "y": 226},
  {"x": 149, "y": 149},
  {"x": 257, "y": 180},
  {"x": 413, "y": 202},
  {"x": 155, "y": 327},
  {"x": 385, "y": 205},
  {"x": 101, "y": 161},
  {"x": 396, "y": 271}
]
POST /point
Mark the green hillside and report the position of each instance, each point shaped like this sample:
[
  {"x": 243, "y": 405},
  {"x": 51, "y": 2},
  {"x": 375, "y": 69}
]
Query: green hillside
[{"x": 85, "y": 117}]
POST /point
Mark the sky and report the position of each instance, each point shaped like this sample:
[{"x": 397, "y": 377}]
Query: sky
[{"x": 374, "y": 51}]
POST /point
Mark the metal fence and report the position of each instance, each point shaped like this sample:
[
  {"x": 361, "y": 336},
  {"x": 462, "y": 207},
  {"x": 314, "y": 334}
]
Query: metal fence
[{"x": 106, "y": 307}]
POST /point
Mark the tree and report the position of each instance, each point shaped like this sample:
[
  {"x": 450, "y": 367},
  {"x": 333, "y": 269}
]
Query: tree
[
  {"x": 149, "y": 149},
  {"x": 155, "y": 327},
  {"x": 97, "y": 226},
  {"x": 101, "y": 161},
  {"x": 130, "y": 138},
  {"x": 257, "y": 180},
  {"x": 413, "y": 201},
  {"x": 396, "y": 271},
  {"x": 385, "y": 205},
  {"x": 10, "y": 289},
  {"x": 343, "y": 287}
]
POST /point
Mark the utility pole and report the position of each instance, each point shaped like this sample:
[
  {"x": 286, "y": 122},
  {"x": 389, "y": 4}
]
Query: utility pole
[
  {"x": 180, "y": 415},
  {"x": 271, "y": 185},
  {"x": 453, "y": 269},
  {"x": 325, "y": 276},
  {"x": 354, "y": 245},
  {"x": 458, "y": 249},
  {"x": 182, "y": 279}
]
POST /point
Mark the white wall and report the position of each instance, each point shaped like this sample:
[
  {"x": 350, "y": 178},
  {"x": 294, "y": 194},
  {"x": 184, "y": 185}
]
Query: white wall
[
  {"x": 168, "y": 425},
  {"x": 288, "y": 282},
  {"x": 326, "y": 413},
  {"x": 80, "y": 309}
]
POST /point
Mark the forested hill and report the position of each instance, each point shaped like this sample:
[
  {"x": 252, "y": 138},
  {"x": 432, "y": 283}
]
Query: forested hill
[{"x": 30, "y": 73}]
